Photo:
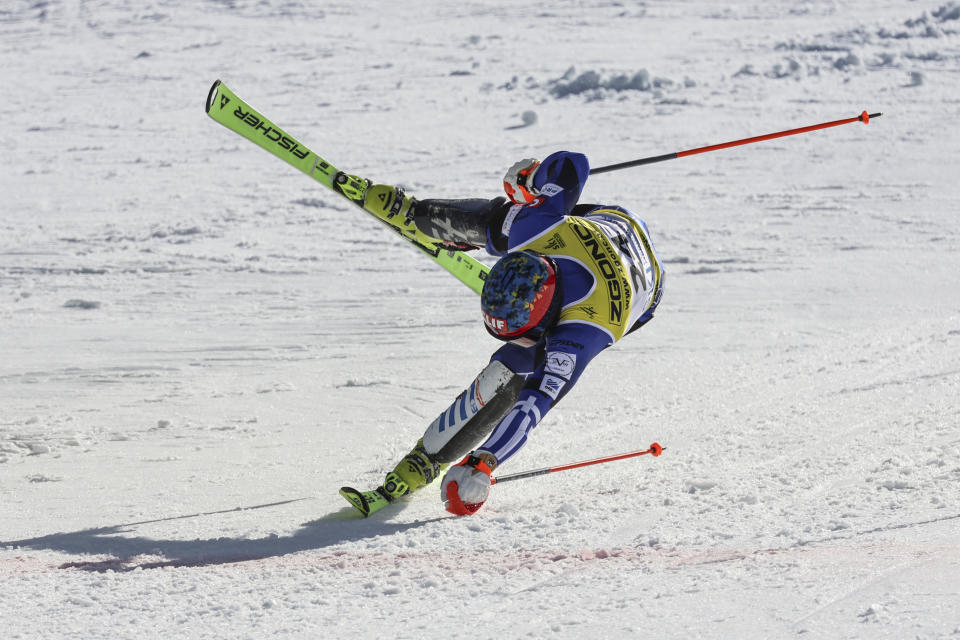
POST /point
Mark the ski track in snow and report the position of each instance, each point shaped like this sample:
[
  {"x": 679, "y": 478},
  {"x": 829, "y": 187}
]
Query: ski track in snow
[{"x": 198, "y": 345}]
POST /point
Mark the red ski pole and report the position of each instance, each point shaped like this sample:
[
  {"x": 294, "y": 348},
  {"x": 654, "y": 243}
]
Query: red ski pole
[
  {"x": 863, "y": 117},
  {"x": 654, "y": 450}
]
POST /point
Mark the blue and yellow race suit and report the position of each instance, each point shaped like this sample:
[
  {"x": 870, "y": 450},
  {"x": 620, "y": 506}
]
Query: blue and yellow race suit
[{"x": 611, "y": 280}]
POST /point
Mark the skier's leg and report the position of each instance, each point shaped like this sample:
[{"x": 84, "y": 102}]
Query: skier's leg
[
  {"x": 467, "y": 421},
  {"x": 459, "y": 221},
  {"x": 476, "y": 411},
  {"x": 473, "y": 414}
]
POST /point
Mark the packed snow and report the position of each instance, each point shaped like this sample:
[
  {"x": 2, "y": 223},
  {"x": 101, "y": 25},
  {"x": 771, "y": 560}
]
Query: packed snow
[{"x": 199, "y": 345}]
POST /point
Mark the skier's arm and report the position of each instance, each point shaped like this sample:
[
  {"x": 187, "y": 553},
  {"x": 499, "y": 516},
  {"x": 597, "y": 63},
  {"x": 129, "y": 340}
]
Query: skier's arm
[
  {"x": 557, "y": 184},
  {"x": 568, "y": 172},
  {"x": 532, "y": 183}
]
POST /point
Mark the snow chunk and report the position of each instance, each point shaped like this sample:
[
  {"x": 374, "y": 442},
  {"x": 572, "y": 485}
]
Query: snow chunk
[
  {"x": 77, "y": 303},
  {"x": 37, "y": 448},
  {"x": 849, "y": 60},
  {"x": 874, "y": 613},
  {"x": 896, "y": 485},
  {"x": 39, "y": 477},
  {"x": 696, "y": 486},
  {"x": 528, "y": 118},
  {"x": 359, "y": 382},
  {"x": 845, "y": 50},
  {"x": 277, "y": 387},
  {"x": 949, "y": 11},
  {"x": 595, "y": 85}
]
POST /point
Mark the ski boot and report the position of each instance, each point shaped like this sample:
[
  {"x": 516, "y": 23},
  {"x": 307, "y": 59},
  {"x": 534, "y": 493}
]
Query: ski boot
[{"x": 416, "y": 469}]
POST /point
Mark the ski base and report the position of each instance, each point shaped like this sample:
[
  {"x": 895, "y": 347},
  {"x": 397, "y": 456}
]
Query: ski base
[{"x": 366, "y": 502}]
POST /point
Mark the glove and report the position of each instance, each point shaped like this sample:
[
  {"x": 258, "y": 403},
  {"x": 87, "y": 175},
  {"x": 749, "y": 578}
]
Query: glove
[
  {"x": 518, "y": 181},
  {"x": 466, "y": 486}
]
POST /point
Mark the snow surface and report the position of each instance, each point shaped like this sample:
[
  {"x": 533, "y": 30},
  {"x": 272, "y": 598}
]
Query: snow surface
[{"x": 198, "y": 345}]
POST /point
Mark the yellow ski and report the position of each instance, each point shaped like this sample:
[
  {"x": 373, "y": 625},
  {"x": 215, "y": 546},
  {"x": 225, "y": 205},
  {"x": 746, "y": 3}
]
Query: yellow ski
[{"x": 387, "y": 203}]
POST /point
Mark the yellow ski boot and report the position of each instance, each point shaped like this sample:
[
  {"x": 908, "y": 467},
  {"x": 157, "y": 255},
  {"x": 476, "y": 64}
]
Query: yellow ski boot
[{"x": 417, "y": 469}]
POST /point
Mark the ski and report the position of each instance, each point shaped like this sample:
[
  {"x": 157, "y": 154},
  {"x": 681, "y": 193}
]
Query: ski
[
  {"x": 366, "y": 502},
  {"x": 387, "y": 203}
]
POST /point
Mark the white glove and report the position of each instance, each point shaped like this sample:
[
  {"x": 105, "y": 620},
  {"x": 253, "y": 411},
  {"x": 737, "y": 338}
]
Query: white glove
[
  {"x": 466, "y": 486},
  {"x": 518, "y": 181}
]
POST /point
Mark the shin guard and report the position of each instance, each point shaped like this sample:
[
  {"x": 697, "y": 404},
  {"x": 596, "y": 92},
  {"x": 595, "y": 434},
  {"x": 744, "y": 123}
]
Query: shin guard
[{"x": 474, "y": 413}]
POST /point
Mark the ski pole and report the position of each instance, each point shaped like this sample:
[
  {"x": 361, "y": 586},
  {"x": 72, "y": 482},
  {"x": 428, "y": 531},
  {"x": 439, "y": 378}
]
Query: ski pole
[
  {"x": 654, "y": 450},
  {"x": 863, "y": 117}
]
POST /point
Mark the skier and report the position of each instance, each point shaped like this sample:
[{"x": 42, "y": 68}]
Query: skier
[{"x": 573, "y": 280}]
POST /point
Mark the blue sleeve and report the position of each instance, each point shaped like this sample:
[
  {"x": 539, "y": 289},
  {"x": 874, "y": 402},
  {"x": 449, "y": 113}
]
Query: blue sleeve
[
  {"x": 569, "y": 349},
  {"x": 560, "y": 179},
  {"x": 566, "y": 170}
]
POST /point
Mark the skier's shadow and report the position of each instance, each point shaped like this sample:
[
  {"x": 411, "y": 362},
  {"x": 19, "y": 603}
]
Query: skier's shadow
[{"x": 128, "y": 553}]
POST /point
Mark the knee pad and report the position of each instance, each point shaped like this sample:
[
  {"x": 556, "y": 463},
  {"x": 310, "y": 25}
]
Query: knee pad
[{"x": 473, "y": 414}]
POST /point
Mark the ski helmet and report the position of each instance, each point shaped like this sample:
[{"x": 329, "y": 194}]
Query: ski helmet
[{"x": 520, "y": 300}]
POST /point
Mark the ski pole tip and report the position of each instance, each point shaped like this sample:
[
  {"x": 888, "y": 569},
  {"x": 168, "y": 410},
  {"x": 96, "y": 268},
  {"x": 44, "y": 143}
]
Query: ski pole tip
[
  {"x": 865, "y": 117},
  {"x": 656, "y": 449}
]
